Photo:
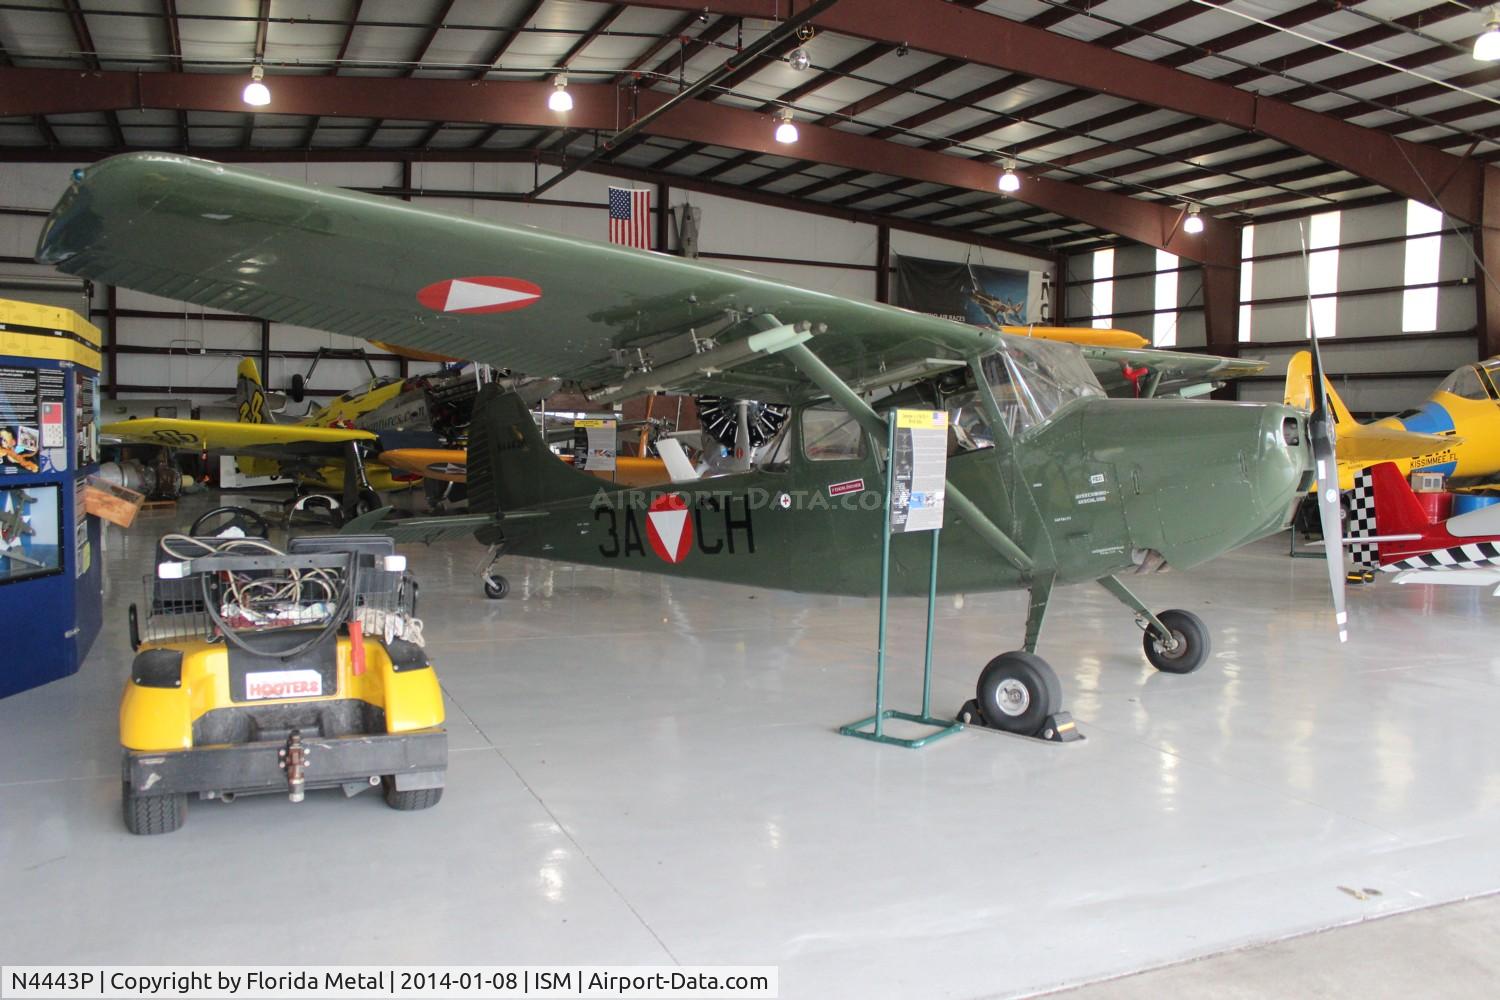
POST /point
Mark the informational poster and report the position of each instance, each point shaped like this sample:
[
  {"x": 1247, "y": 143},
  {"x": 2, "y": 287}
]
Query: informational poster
[
  {"x": 919, "y": 468},
  {"x": 85, "y": 411},
  {"x": 594, "y": 445},
  {"x": 20, "y": 423},
  {"x": 970, "y": 293},
  {"x": 83, "y": 555}
]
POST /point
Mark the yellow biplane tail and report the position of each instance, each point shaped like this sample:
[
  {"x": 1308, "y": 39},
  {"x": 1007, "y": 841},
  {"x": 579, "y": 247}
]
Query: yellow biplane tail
[{"x": 250, "y": 394}]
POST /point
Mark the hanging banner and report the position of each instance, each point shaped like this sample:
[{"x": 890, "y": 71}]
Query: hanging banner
[
  {"x": 970, "y": 293},
  {"x": 920, "y": 470},
  {"x": 594, "y": 445}
]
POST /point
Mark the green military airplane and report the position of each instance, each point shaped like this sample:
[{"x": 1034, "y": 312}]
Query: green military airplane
[{"x": 1049, "y": 481}]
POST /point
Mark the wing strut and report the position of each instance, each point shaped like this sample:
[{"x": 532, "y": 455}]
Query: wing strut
[{"x": 826, "y": 379}]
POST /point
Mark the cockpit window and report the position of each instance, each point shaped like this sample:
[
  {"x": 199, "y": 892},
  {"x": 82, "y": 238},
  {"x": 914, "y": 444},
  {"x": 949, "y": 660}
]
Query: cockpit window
[
  {"x": 1033, "y": 379},
  {"x": 1465, "y": 384}
]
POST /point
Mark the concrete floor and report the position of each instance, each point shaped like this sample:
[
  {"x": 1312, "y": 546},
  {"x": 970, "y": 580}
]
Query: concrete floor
[{"x": 646, "y": 772}]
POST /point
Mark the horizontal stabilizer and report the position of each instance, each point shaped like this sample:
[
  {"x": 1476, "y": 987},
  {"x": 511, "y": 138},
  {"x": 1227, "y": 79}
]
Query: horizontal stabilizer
[{"x": 428, "y": 529}]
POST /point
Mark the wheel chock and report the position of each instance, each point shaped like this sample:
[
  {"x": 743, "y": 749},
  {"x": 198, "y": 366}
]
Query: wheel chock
[{"x": 1056, "y": 728}]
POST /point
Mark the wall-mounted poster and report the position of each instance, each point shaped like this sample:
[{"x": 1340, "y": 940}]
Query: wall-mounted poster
[
  {"x": 970, "y": 293},
  {"x": 32, "y": 431}
]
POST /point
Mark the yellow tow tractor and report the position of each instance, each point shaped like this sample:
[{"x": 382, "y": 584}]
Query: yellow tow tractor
[{"x": 258, "y": 670}]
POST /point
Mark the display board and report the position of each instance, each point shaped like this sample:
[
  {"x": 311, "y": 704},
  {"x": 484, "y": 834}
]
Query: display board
[
  {"x": 919, "y": 466},
  {"x": 595, "y": 443}
]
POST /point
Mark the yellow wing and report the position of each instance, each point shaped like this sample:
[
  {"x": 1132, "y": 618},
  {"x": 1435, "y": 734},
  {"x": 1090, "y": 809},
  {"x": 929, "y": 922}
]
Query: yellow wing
[{"x": 271, "y": 440}]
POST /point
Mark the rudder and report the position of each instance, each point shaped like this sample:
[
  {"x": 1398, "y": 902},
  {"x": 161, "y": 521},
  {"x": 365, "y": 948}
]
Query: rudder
[
  {"x": 249, "y": 393},
  {"x": 510, "y": 466}
]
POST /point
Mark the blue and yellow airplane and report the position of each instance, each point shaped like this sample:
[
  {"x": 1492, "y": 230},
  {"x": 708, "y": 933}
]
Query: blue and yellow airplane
[{"x": 1456, "y": 431}]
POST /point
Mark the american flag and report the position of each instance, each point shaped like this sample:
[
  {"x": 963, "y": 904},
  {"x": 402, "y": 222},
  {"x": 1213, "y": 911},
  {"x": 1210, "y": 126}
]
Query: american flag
[{"x": 630, "y": 217}]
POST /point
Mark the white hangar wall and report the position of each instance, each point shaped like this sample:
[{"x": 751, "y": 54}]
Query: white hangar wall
[
  {"x": 193, "y": 351},
  {"x": 1381, "y": 359}
]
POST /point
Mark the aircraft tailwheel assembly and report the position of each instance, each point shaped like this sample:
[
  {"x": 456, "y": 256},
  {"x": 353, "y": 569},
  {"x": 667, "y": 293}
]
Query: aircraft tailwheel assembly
[{"x": 496, "y": 587}]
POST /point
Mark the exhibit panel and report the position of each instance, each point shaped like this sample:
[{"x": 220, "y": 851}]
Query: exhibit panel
[{"x": 50, "y": 575}]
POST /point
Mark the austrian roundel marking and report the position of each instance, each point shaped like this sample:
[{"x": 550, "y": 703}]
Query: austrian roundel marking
[
  {"x": 669, "y": 529},
  {"x": 478, "y": 294}
]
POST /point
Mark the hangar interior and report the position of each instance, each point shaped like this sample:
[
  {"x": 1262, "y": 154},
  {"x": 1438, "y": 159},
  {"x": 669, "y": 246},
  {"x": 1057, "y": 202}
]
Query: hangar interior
[{"x": 646, "y": 770}]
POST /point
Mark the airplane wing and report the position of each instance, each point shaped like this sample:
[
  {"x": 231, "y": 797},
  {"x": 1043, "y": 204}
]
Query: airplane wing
[
  {"x": 615, "y": 320},
  {"x": 276, "y": 441},
  {"x": 1178, "y": 373}
]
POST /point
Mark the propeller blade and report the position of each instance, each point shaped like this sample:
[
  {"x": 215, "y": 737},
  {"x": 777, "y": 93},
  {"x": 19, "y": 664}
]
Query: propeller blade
[{"x": 1323, "y": 435}]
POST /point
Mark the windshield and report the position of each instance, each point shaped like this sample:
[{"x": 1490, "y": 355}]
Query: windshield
[
  {"x": 1465, "y": 384},
  {"x": 1033, "y": 379}
]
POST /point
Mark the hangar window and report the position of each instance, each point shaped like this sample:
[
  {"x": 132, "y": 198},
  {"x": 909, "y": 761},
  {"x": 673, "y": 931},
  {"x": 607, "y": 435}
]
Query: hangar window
[
  {"x": 1247, "y": 272},
  {"x": 1323, "y": 273},
  {"x": 829, "y": 434},
  {"x": 1164, "y": 321},
  {"x": 1104, "y": 288},
  {"x": 1419, "y": 305}
]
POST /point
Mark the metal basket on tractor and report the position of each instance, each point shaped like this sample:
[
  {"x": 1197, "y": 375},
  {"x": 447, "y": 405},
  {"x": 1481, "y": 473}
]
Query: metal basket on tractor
[{"x": 258, "y": 671}]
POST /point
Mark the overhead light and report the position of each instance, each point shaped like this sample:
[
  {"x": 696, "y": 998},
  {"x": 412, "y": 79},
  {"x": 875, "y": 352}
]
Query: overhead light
[
  {"x": 798, "y": 59},
  {"x": 1193, "y": 224},
  {"x": 787, "y": 131},
  {"x": 1487, "y": 45},
  {"x": 1010, "y": 181},
  {"x": 257, "y": 94},
  {"x": 560, "y": 99}
]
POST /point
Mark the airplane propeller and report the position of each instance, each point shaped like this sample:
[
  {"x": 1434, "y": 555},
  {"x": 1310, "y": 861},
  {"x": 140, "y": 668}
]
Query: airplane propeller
[{"x": 1323, "y": 434}]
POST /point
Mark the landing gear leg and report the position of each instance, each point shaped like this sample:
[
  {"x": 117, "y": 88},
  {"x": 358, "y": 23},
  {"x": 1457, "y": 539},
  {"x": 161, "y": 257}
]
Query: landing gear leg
[
  {"x": 359, "y": 498},
  {"x": 1018, "y": 692},
  {"x": 1176, "y": 641},
  {"x": 495, "y": 586}
]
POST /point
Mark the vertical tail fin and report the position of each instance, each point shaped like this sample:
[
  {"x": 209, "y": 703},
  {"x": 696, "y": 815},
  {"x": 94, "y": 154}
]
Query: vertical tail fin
[
  {"x": 249, "y": 393},
  {"x": 1397, "y": 510},
  {"x": 510, "y": 466},
  {"x": 1298, "y": 390}
]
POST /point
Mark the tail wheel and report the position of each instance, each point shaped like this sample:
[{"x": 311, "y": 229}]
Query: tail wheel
[
  {"x": 496, "y": 587},
  {"x": 1191, "y": 643},
  {"x": 1017, "y": 692}
]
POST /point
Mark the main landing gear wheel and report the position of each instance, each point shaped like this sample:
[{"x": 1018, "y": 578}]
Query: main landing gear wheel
[
  {"x": 1016, "y": 693},
  {"x": 496, "y": 587},
  {"x": 1191, "y": 643}
]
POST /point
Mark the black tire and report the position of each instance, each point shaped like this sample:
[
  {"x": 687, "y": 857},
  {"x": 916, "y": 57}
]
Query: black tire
[
  {"x": 1192, "y": 639},
  {"x": 151, "y": 814},
  {"x": 135, "y": 629},
  {"x": 1017, "y": 692},
  {"x": 411, "y": 800},
  {"x": 496, "y": 587},
  {"x": 298, "y": 390}
]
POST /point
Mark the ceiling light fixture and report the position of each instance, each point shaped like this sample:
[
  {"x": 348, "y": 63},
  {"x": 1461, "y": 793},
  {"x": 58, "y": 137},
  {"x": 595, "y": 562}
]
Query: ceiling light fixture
[
  {"x": 1487, "y": 45},
  {"x": 560, "y": 99},
  {"x": 1010, "y": 181},
  {"x": 786, "y": 132},
  {"x": 257, "y": 94},
  {"x": 1193, "y": 224}
]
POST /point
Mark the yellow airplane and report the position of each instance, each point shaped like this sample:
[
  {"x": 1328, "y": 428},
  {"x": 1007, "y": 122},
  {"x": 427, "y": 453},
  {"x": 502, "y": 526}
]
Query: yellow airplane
[
  {"x": 393, "y": 433},
  {"x": 1456, "y": 432}
]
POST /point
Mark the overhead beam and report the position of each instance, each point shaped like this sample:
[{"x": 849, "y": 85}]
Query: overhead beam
[
  {"x": 1448, "y": 182},
  {"x": 46, "y": 91}
]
